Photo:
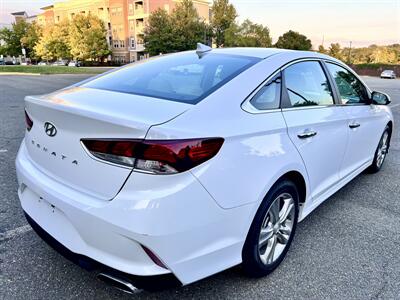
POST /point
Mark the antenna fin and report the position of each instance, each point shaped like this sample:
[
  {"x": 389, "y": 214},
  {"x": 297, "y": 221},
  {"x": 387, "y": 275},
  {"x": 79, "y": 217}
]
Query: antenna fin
[{"x": 201, "y": 49}]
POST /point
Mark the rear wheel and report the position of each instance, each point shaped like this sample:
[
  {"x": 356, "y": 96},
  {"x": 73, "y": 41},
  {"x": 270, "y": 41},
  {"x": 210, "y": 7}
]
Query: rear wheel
[
  {"x": 381, "y": 152},
  {"x": 272, "y": 230}
]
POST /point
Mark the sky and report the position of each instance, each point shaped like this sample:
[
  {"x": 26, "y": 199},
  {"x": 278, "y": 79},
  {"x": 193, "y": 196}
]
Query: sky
[{"x": 362, "y": 22}]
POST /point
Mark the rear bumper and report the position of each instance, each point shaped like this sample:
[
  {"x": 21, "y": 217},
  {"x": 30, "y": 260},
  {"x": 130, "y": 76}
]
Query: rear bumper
[
  {"x": 173, "y": 216},
  {"x": 141, "y": 282}
]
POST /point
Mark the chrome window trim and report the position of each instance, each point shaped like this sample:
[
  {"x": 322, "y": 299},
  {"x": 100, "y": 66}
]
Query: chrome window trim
[
  {"x": 309, "y": 107},
  {"x": 250, "y": 108}
]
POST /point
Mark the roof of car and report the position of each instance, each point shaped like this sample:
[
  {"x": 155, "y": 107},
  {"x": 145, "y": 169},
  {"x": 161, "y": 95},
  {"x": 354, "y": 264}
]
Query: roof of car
[{"x": 254, "y": 52}]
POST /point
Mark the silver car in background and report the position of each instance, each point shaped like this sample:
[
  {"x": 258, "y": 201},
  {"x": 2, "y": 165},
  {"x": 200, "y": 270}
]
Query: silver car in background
[{"x": 388, "y": 74}]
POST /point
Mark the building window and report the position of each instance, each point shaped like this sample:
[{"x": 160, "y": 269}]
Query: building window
[
  {"x": 132, "y": 43},
  {"x": 130, "y": 9},
  {"x": 115, "y": 43},
  {"x": 122, "y": 44},
  {"x": 58, "y": 18},
  {"x": 110, "y": 41},
  {"x": 109, "y": 26},
  {"x": 100, "y": 11},
  {"x": 132, "y": 25}
]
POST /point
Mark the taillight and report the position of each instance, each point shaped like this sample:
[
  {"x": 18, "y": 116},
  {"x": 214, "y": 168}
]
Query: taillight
[
  {"x": 156, "y": 157},
  {"x": 29, "y": 122}
]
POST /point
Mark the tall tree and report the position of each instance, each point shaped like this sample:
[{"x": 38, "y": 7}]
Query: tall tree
[
  {"x": 12, "y": 38},
  {"x": 188, "y": 28},
  {"x": 321, "y": 49},
  {"x": 223, "y": 17},
  {"x": 335, "y": 51},
  {"x": 158, "y": 34},
  {"x": 88, "y": 38},
  {"x": 248, "y": 34},
  {"x": 31, "y": 38},
  {"x": 293, "y": 40},
  {"x": 54, "y": 43},
  {"x": 180, "y": 31}
]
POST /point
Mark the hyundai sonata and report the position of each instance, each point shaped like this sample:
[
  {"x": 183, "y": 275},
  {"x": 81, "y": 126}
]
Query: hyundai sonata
[{"x": 182, "y": 166}]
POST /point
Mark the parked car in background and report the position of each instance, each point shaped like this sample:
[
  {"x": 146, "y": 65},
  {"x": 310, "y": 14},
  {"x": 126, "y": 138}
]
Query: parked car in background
[
  {"x": 60, "y": 63},
  {"x": 188, "y": 164},
  {"x": 43, "y": 63},
  {"x": 74, "y": 63},
  {"x": 388, "y": 74}
]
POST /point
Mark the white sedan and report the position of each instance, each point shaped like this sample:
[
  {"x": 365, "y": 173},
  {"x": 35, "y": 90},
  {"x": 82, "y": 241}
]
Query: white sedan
[
  {"x": 182, "y": 166},
  {"x": 388, "y": 74}
]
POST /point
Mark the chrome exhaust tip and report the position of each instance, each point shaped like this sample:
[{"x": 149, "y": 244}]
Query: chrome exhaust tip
[{"x": 118, "y": 283}]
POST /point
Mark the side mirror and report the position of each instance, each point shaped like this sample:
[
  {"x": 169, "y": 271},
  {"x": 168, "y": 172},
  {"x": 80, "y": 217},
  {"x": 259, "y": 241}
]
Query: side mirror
[{"x": 379, "y": 98}]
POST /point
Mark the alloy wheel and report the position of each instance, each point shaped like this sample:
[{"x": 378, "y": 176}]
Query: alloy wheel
[
  {"x": 382, "y": 149},
  {"x": 276, "y": 228}
]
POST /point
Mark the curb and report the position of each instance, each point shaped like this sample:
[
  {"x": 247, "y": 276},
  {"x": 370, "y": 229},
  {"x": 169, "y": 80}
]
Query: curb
[{"x": 19, "y": 74}]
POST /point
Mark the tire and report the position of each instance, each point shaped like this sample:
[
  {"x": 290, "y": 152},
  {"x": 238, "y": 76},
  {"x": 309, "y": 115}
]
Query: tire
[
  {"x": 258, "y": 260},
  {"x": 381, "y": 151}
]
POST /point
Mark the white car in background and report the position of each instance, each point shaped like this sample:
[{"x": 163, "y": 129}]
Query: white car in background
[
  {"x": 388, "y": 74},
  {"x": 74, "y": 63},
  {"x": 182, "y": 166}
]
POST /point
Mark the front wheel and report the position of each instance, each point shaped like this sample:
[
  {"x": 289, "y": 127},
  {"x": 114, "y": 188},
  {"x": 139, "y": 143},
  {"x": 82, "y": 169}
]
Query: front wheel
[
  {"x": 272, "y": 230},
  {"x": 381, "y": 152}
]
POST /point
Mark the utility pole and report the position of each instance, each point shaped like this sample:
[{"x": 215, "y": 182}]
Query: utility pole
[{"x": 349, "y": 60}]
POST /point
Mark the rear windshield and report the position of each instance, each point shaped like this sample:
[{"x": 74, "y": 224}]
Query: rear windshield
[{"x": 182, "y": 78}]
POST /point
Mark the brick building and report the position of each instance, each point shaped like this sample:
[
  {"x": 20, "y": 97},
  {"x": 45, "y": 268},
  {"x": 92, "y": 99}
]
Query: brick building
[{"x": 125, "y": 20}]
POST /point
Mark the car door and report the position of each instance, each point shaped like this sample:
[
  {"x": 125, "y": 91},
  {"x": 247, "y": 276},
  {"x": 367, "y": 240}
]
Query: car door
[
  {"x": 366, "y": 121},
  {"x": 316, "y": 126}
]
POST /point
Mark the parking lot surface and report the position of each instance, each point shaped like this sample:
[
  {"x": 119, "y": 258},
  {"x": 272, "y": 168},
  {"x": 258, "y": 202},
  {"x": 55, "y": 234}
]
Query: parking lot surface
[{"x": 348, "y": 248}]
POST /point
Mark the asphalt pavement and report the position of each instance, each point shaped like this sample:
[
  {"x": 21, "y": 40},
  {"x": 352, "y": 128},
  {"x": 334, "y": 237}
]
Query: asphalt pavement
[{"x": 348, "y": 248}]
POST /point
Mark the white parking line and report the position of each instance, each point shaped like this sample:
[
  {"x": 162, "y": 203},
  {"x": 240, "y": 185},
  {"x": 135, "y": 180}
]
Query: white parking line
[
  {"x": 393, "y": 106},
  {"x": 14, "y": 232}
]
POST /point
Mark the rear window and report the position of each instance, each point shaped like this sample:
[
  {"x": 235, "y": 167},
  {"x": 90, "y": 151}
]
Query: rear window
[{"x": 181, "y": 78}]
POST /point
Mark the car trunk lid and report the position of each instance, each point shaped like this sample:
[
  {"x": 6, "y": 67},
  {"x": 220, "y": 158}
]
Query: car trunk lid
[{"x": 81, "y": 113}]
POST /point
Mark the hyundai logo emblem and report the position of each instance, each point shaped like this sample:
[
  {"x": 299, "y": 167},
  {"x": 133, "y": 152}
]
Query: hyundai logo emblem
[{"x": 50, "y": 129}]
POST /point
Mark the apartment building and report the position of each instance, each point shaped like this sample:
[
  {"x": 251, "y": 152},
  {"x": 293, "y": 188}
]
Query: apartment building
[
  {"x": 125, "y": 20},
  {"x": 22, "y": 15}
]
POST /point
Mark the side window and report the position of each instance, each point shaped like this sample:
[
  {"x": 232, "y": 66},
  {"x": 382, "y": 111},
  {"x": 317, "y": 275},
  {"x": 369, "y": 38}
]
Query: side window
[
  {"x": 269, "y": 96},
  {"x": 351, "y": 90},
  {"x": 307, "y": 85}
]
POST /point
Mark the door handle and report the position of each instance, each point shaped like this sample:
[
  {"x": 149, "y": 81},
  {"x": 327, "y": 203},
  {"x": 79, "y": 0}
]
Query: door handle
[
  {"x": 354, "y": 125},
  {"x": 307, "y": 134}
]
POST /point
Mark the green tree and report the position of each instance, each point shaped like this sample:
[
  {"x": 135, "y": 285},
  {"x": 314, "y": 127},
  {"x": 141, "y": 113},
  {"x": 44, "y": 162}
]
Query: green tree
[
  {"x": 293, "y": 40},
  {"x": 158, "y": 35},
  {"x": 335, "y": 51},
  {"x": 321, "y": 49},
  {"x": 87, "y": 38},
  {"x": 54, "y": 42},
  {"x": 180, "y": 31},
  {"x": 248, "y": 34},
  {"x": 223, "y": 17},
  {"x": 31, "y": 38},
  {"x": 12, "y": 38},
  {"x": 187, "y": 26}
]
